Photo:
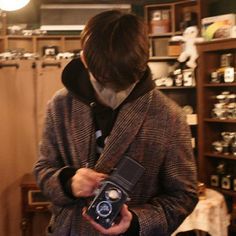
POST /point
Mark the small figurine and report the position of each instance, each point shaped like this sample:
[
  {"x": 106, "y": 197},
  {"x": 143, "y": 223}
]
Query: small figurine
[{"x": 189, "y": 52}]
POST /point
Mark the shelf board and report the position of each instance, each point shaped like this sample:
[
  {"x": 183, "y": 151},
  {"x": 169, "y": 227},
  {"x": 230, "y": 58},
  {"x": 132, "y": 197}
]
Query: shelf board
[
  {"x": 178, "y": 33},
  {"x": 46, "y": 36},
  {"x": 19, "y": 36},
  {"x": 164, "y": 58},
  {"x": 219, "y": 155},
  {"x": 219, "y": 85},
  {"x": 214, "y": 120},
  {"x": 175, "y": 87},
  {"x": 224, "y": 191},
  {"x": 169, "y": 34},
  {"x": 218, "y": 42}
]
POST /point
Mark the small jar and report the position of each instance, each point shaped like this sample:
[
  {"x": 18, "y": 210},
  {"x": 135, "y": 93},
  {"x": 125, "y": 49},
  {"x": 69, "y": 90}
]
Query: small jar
[
  {"x": 233, "y": 146},
  {"x": 226, "y": 182},
  {"x": 225, "y": 148},
  {"x": 217, "y": 146},
  {"x": 201, "y": 191},
  {"x": 215, "y": 180}
]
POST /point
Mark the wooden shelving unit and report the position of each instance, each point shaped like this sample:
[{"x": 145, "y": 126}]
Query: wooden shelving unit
[
  {"x": 35, "y": 44},
  {"x": 174, "y": 12},
  {"x": 159, "y": 41},
  {"x": 210, "y": 128}
]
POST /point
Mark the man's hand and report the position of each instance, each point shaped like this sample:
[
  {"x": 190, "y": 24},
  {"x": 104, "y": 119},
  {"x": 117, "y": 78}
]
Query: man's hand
[
  {"x": 85, "y": 181},
  {"x": 116, "y": 229}
]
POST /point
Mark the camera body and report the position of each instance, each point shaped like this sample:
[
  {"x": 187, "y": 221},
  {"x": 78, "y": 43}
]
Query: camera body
[
  {"x": 107, "y": 204},
  {"x": 114, "y": 192}
]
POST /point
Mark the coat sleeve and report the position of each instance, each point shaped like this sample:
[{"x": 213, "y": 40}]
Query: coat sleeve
[
  {"x": 165, "y": 212},
  {"x": 50, "y": 171}
]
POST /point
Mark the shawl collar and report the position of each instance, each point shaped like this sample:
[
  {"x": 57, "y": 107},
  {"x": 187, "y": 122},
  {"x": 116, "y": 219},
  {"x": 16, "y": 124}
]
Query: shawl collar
[
  {"x": 127, "y": 125},
  {"x": 83, "y": 134}
]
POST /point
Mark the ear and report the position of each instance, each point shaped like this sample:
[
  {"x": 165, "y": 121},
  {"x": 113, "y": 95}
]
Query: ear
[{"x": 83, "y": 59}]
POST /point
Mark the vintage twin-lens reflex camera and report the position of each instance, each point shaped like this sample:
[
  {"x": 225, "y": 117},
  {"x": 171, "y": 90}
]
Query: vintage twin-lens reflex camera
[{"x": 114, "y": 192}]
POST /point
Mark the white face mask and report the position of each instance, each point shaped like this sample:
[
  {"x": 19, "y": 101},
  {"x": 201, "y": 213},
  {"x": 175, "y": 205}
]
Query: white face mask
[{"x": 108, "y": 96}]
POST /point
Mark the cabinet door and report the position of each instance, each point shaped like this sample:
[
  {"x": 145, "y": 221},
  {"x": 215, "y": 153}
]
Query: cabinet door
[
  {"x": 48, "y": 81},
  {"x": 17, "y": 137},
  {"x": 17, "y": 99}
]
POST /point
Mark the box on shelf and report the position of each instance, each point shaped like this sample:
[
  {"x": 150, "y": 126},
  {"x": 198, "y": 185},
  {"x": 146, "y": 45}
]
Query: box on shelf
[
  {"x": 192, "y": 119},
  {"x": 174, "y": 48},
  {"x": 217, "y": 27},
  {"x": 160, "y": 22}
]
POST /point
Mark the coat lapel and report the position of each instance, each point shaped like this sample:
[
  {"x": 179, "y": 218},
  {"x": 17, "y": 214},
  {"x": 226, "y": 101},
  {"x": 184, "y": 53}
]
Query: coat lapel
[
  {"x": 82, "y": 130},
  {"x": 127, "y": 125}
]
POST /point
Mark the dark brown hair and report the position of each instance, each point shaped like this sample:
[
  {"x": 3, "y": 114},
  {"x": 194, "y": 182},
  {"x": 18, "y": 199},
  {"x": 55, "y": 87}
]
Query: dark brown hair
[{"x": 115, "y": 46}]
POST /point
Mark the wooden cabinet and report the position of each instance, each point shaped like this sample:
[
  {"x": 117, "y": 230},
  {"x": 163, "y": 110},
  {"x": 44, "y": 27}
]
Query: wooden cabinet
[
  {"x": 32, "y": 202},
  {"x": 217, "y": 119},
  {"x": 35, "y": 44}
]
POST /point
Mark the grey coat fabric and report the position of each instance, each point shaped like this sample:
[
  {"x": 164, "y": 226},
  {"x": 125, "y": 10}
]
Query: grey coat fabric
[{"x": 151, "y": 130}]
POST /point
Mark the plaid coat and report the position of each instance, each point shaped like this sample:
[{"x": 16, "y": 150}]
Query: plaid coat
[{"x": 151, "y": 130}]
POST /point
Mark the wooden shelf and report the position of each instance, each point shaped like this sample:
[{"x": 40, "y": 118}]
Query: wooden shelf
[
  {"x": 220, "y": 155},
  {"x": 176, "y": 87},
  {"x": 215, "y": 42},
  {"x": 213, "y": 85},
  {"x": 161, "y": 35},
  {"x": 164, "y": 58},
  {"x": 35, "y": 43},
  {"x": 214, "y": 120}
]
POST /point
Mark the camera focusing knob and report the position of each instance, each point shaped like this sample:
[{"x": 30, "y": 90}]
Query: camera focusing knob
[{"x": 113, "y": 194}]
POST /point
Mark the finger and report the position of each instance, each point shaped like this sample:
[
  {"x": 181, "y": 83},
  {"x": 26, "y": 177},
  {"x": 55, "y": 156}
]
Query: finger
[
  {"x": 83, "y": 188},
  {"x": 91, "y": 174},
  {"x": 84, "y": 178},
  {"x": 94, "y": 224},
  {"x": 125, "y": 213},
  {"x": 124, "y": 223}
]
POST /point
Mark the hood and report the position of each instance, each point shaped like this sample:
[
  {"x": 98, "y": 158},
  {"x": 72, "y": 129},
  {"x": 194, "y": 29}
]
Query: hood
[{"x": 75, "y": 78}]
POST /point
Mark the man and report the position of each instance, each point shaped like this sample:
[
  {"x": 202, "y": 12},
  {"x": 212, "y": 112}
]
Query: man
[{"x": 110, "y": 108}]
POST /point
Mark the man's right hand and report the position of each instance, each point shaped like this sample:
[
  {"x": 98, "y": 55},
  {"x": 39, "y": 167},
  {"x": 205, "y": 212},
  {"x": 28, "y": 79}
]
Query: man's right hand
[{"x": 85, "y": 182}]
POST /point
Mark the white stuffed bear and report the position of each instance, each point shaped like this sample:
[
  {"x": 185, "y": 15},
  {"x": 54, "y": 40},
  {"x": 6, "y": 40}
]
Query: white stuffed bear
[{"x": 189, "y": 38}]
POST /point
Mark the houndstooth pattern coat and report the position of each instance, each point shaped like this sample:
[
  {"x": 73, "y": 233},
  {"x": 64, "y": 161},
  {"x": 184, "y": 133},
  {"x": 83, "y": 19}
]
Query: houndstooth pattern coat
[{"x": 151, "y": 130}]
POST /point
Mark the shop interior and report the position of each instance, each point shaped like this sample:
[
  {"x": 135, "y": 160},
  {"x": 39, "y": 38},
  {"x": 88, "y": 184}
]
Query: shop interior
[{"x": 198, "y": 71}]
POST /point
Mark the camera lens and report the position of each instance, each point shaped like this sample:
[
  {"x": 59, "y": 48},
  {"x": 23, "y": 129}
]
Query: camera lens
[{"x": 104, "y": 208}]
